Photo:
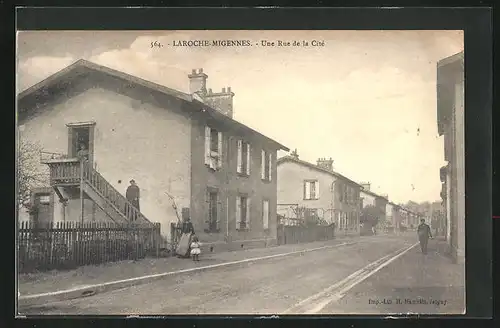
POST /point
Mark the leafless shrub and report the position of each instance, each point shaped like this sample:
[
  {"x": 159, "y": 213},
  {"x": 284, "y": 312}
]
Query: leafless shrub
[{"x": 29, "y": 172}]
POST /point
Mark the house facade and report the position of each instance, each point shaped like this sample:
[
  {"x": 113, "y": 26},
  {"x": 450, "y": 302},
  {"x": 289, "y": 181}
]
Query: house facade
[
  {"x": 369, "y": 198},
  {"x": 396, "y": 216},
  {"x": 450, "y": 121},
  {"x": 318, "y": 187},
  {"x": 181, "y": 149}
]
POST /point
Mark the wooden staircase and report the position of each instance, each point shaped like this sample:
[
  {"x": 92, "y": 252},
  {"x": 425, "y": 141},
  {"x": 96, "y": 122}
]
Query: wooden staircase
[{"x": 70, "y": 172}]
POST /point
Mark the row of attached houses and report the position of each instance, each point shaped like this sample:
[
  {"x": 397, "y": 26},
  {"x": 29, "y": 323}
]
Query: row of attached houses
[
  {"x": 450, "y": 121},
  {"x": 333, "y": 196},
  {"x": 219, "y": 172}
]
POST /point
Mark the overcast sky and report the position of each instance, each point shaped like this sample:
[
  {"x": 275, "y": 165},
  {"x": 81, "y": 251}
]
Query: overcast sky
[{"x": 366, "y": 98}]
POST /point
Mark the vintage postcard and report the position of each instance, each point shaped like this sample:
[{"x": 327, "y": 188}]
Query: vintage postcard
[{"x": 240, "y": 172}]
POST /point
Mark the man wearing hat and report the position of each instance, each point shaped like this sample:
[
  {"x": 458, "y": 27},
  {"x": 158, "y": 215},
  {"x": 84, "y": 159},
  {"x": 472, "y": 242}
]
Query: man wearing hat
[{"x": 132, "y": 194}]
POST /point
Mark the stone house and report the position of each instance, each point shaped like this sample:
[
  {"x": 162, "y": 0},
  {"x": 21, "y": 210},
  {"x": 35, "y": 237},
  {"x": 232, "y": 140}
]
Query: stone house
[
  {"x": 367, "y": 197},
  {"x": 182, "y": 148},
  {"x": 317, "y": 186}
]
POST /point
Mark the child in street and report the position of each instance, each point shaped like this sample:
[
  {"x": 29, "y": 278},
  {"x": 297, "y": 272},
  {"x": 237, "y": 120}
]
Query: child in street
[{"x": 195, "y": 248}]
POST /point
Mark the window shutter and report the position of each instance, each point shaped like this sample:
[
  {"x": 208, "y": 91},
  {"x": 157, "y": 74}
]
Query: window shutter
[
  {"x": 238, "y": 212},
  {"x": 307, "y": 190},
  {"x": 263, "y": 165},
  {"x": 218, "y": 214},
  {"x": 219, "y": 148},
  {"x": 248, "y": 213},
  {"x": 207, "y": 145},
  {"x": 240, "y": 156},
  {"x": 270, "y": 168},
  {"x": 317, "y": 189},
  {"x": 249, "y": 157},
  {"x": 265, "y": 214}
]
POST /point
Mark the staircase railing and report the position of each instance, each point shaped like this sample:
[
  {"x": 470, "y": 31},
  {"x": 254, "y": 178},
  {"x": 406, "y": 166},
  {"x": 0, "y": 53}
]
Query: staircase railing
[
  {"x": 99, "y": 183},
  {"x": 67, "y": 171}
]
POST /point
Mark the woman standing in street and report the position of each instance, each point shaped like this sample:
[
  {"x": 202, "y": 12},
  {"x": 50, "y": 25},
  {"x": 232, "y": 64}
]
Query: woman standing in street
[{"x": 187, "y": 231}]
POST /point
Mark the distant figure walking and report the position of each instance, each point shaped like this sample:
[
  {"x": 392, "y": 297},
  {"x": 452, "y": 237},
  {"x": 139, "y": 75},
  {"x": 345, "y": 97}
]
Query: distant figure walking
[
  {"x": 133, "y": 195},
  {"x": 424, "y": 233}
]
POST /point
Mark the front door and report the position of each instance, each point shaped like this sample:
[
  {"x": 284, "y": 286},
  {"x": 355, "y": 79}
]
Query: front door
[
  {"x": 42, "y": 216},
  {"x": 81, "y": 136}
]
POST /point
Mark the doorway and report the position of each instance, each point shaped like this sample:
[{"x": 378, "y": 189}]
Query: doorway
[
  {"x": 43, "y": 214},
  {"x": 81, "y": 134}
]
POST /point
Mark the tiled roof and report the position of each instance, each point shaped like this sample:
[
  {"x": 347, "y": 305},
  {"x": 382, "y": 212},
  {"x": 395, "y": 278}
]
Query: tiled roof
[{"x": 39, "y": 90}]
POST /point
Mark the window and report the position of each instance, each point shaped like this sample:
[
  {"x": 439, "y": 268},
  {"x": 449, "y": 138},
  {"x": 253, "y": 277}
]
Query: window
[
  {"x": 244, "y": 157},
  {"x": 44, "y": 199},
  {"x": 213, "y": 213},
  {"x": 311, "y": 189},
  {"x": 213, "y": 148},
  {"x": 266, "y": 165},
  {"x": 265, "y": 214},
  {"x": 242, "y": 212}
]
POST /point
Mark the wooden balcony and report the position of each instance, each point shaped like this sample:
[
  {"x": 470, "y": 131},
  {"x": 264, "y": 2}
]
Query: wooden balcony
[{"x": 64, "y": 171}]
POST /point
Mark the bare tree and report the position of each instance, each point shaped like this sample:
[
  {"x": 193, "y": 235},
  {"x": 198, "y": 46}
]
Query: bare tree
[{"x": 29, "y": 172}]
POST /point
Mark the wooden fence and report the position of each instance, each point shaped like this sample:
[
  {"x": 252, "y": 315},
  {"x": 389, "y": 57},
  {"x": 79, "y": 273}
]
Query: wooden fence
[
  {"x": 67, "y": 245},
  {"x": 304, "y": 234}
]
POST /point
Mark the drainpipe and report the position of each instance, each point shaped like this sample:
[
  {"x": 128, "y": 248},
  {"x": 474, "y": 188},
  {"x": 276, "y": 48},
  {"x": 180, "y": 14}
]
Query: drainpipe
[
  {"x": 227, "y": 218},
  {"x": 229, "y": 139}
]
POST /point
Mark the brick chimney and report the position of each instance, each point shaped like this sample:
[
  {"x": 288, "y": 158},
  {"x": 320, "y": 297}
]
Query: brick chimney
[
  {"x": 365, "y": 185},
  {"x": 325, "y": 163},
  {"x": 295, "y": 154},
  {"x": 222, "y": 101},
  {"x": 198, "y": 82}
]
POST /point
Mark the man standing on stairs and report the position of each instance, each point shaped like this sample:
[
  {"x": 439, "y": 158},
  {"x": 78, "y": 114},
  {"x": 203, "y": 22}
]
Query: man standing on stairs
[{"x": 132, "y": 195}]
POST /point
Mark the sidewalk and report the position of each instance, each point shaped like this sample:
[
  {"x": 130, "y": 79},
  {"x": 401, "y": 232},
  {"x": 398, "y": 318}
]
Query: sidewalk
[
  {"x": 423, "y": 284},
  {"x": 44, "y": 282}
]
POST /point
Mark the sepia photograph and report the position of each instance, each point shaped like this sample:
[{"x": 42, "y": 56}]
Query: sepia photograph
[{"x": 224, "y": 172}]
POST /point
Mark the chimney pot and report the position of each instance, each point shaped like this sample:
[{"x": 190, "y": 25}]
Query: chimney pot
[
  {"x": 223, "y": 90},
  {"x": 210, "y": 90},
  {"x": 198, "y": 82},
  {"x": 229, "y": 89}
]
